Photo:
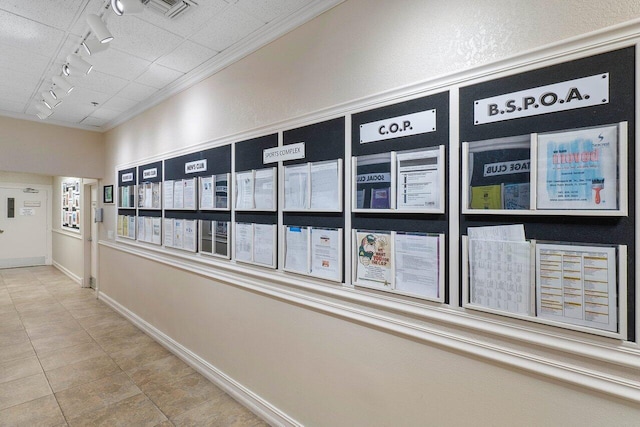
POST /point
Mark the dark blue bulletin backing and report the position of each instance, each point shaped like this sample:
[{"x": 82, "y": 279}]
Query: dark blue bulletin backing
[
  {"x": 620, "y": 64},
  {"x": 218, "y": 162},
  {"x": 249, "y": 156},
  {"x": 127, "y": 211},
  {"x": 407, "y": 222}
]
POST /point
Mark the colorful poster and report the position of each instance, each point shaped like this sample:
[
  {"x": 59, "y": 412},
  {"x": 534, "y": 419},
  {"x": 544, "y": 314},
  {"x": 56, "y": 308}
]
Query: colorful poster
[
  {"x": 486, "y": 197},
  {"x": 578, "y": 169},
  {"x": 374, "y": 258}
]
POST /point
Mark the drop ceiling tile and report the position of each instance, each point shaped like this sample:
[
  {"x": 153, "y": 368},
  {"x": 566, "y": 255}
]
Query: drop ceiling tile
[
  {"x": 54, "y": 13},
  {"x": 94, "y": 121},
  {"x": 190, "y": 22},
  {"x": 268, "y": 10},
  {"x": 12, "y": 105},
  {"x": 119, "y": 64},
  {"x": 158, "y": 76},
  {"x": 27, "y": 35},
  {"x": 187, "y": 56},
  {"x": 139, "y": 38},
  {"x": 100, "y": 82},
  {"x": 15, "y": 59},
  {"x": 82, "y": 98},
  {"x": 137, "y": 92},
  {"x": 105, "y": 114},
  {"x": 226, "y": 29},
  {"x": 118, "y": 103}
]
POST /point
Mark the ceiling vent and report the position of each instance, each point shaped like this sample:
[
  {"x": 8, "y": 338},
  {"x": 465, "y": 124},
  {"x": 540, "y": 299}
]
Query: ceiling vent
[{"x": 172, "y": 9}]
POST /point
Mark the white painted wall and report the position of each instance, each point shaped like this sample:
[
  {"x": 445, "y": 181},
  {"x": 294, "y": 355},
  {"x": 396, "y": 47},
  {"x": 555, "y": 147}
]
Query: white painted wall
[{"x": 319, "y": 369}]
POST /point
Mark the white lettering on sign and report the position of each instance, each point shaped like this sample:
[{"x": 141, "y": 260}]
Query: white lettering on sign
[
  {"x": 127, "y": 177},
  {"x": 506, "y": 168},
  {"x": 288, "y": 152},
  {"x": 396, "y": 127},
  {"x": 196, "y": 166},
  {"x": 150, "y": 173},
  {"x": 563, "y": 96},
  {"x": 369, "y": 178}
]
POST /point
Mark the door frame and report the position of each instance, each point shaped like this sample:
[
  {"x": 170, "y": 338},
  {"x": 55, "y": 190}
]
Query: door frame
[
  {"x": 85, "y": 196},
  {"x": 48, "y": 189}
]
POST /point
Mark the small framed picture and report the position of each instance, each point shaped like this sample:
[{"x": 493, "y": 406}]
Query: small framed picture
[{"x": 107, "y": 196}]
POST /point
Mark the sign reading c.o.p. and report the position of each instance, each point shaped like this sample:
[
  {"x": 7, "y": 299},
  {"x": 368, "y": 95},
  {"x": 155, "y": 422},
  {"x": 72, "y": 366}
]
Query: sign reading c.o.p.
[{"x": 396, "y": 127}]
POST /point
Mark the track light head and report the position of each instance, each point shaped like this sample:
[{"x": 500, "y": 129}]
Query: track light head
[
  {"x": 93, "y": 46},
  {"x": 74, "y": 62},
  {"x": 43, "y": 110},
  {"x": 57, "y": 93},
  {"x": 121, "y": 7},
  {"x": 63, "y": 84},
  {"x": 50, "y": 101},
  {"x": 99, "y": 28}
]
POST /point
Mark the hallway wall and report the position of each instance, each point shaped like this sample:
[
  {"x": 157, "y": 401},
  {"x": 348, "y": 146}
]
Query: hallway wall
[{"x": 321, "y": 369}]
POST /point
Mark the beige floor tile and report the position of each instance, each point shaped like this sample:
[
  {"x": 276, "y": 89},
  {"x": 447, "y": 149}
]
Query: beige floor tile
[
  {"x": 42, "y": 412},
  {"x": 82, "y": 372},
  {"x": 135, "y": 356},
  {"x": 13, "y": 337},
  {"x": 16, "y": 351},
  {"x": 66, "y": 356},
  {"x": 103, "y": 323},
  {"x": 221, "y": 411},
  {"x": 23, "y": 390},
  {"x": 40, "y": 306},
  {"x": 63, "y": 327},
  {"x": 182, "y": 395},
  {"x": 10, "y": 322},
  {"x": 160, "y": 371},
  {"x": 60, "y": 341},
  {"x": 136, "y": 411},
  {"x": 121, "y": 339},
  {"x": 19, "y": 368},
  {"x": 96, "y": 395},
  {"x": 33, "y": 320}
]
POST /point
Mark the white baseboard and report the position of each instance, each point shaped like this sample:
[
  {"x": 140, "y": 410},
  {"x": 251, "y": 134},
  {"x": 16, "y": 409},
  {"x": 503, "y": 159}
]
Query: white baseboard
[
  {"x": 72, "y": 276},
  {"x": 243, "y": 395}
]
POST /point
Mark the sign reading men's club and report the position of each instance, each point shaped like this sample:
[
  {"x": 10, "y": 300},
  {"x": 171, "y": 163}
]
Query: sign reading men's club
[
  {"x": 563, "y": 96},
  {"x": 395, "y": 127}
]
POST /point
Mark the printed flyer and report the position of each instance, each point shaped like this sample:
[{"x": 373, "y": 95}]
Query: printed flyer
[
  {"x": 374, "y": 262},
  {"x": 578, "y": 169}
]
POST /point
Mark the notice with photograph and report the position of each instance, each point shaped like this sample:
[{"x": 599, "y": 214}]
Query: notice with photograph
[
  {"x": 189, "y": 194},
  {"x": 417, "y": 265},
  {"x": 578, "y": 169},
  {"x": 221, "y": 191},
  {"x": 264, "y": 244},
  {"x": 296, "y": 249},
  {"x": 296, "y": 181},
  {"x": 577, "y": 285},
  {"x": 325, "y": 186},
  {"x": 326, "y": 254},
  {"x": 190, "y": 235},
  {"x": 419, "y": 183},
  {"x": 374, "y": 259},
  {"x": 264, "y": 189},
  {"x": 244, "y": 242},
  {"x": 206, "y": 192},
  {"x": 244, "y": 190}
]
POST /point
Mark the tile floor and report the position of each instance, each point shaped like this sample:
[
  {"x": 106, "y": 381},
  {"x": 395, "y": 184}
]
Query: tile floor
[{"x": 67, "y": 359}]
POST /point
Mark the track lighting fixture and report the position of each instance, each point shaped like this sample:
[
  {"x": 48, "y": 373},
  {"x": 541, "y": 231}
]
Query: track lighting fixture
[
  {"x": 50, "y": 101},
  {"x": 57, "y": 93},
  {"x": 128, "y": 7},
  {"x": 93, "y": 46},
  {"x": 63, "y": 84},
  {"x": 43, "y": 110},
  {"x": 99, "y": 28},
  {"x": 76, "y": 62}
]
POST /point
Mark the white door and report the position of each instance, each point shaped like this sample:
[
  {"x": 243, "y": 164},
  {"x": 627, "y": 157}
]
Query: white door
[{"x": 23, "y": 229}]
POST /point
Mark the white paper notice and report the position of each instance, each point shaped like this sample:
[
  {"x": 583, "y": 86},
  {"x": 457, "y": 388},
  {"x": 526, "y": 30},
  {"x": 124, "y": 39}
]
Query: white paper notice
[
  {"x": 190, "y": 234},
  {"x": 168, "y": 194},
  {"x": 418, "y": 180},
  {"x": 178, "y": 233},
  {"x": 325, "y": 186},
  {"x": 264, "y": 189},
  {"x": 263, "y": 244},
  {"x": 295, "y": 186},
  {"x": 141, "y": 228},
  {"x": 577, "y": 285},
  {"x": 244, "y": 190},
  {"x": 509, "y": 233},
  {"x": 178, "y": 194},
  {"x": 148, "y": 195},
  {"x": 297, "y": 249},
  {"x": 417, "y": 264},
  {"x": 500, "y": 275},
  {"x": 206, "y": 195},
  {"x": 148, "y": 229},
  {"x": 168, "y": 232},
  {"x": 157, "y": 231},
  {"x": 326, "y": 254},
  {"x": 189, "y": 194},
  {"x": 132, "y": 227},
  {"x": 244, "y": 242}
]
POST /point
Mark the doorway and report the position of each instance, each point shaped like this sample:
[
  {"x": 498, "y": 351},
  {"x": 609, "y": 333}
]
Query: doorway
[
  {"x": 91, "y": 237},
  {"x": 24, "y": 226}
]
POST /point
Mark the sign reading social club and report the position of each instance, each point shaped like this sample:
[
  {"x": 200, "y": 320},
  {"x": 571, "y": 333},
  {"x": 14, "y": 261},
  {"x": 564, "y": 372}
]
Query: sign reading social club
[{"x": 563, "y": 96}]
